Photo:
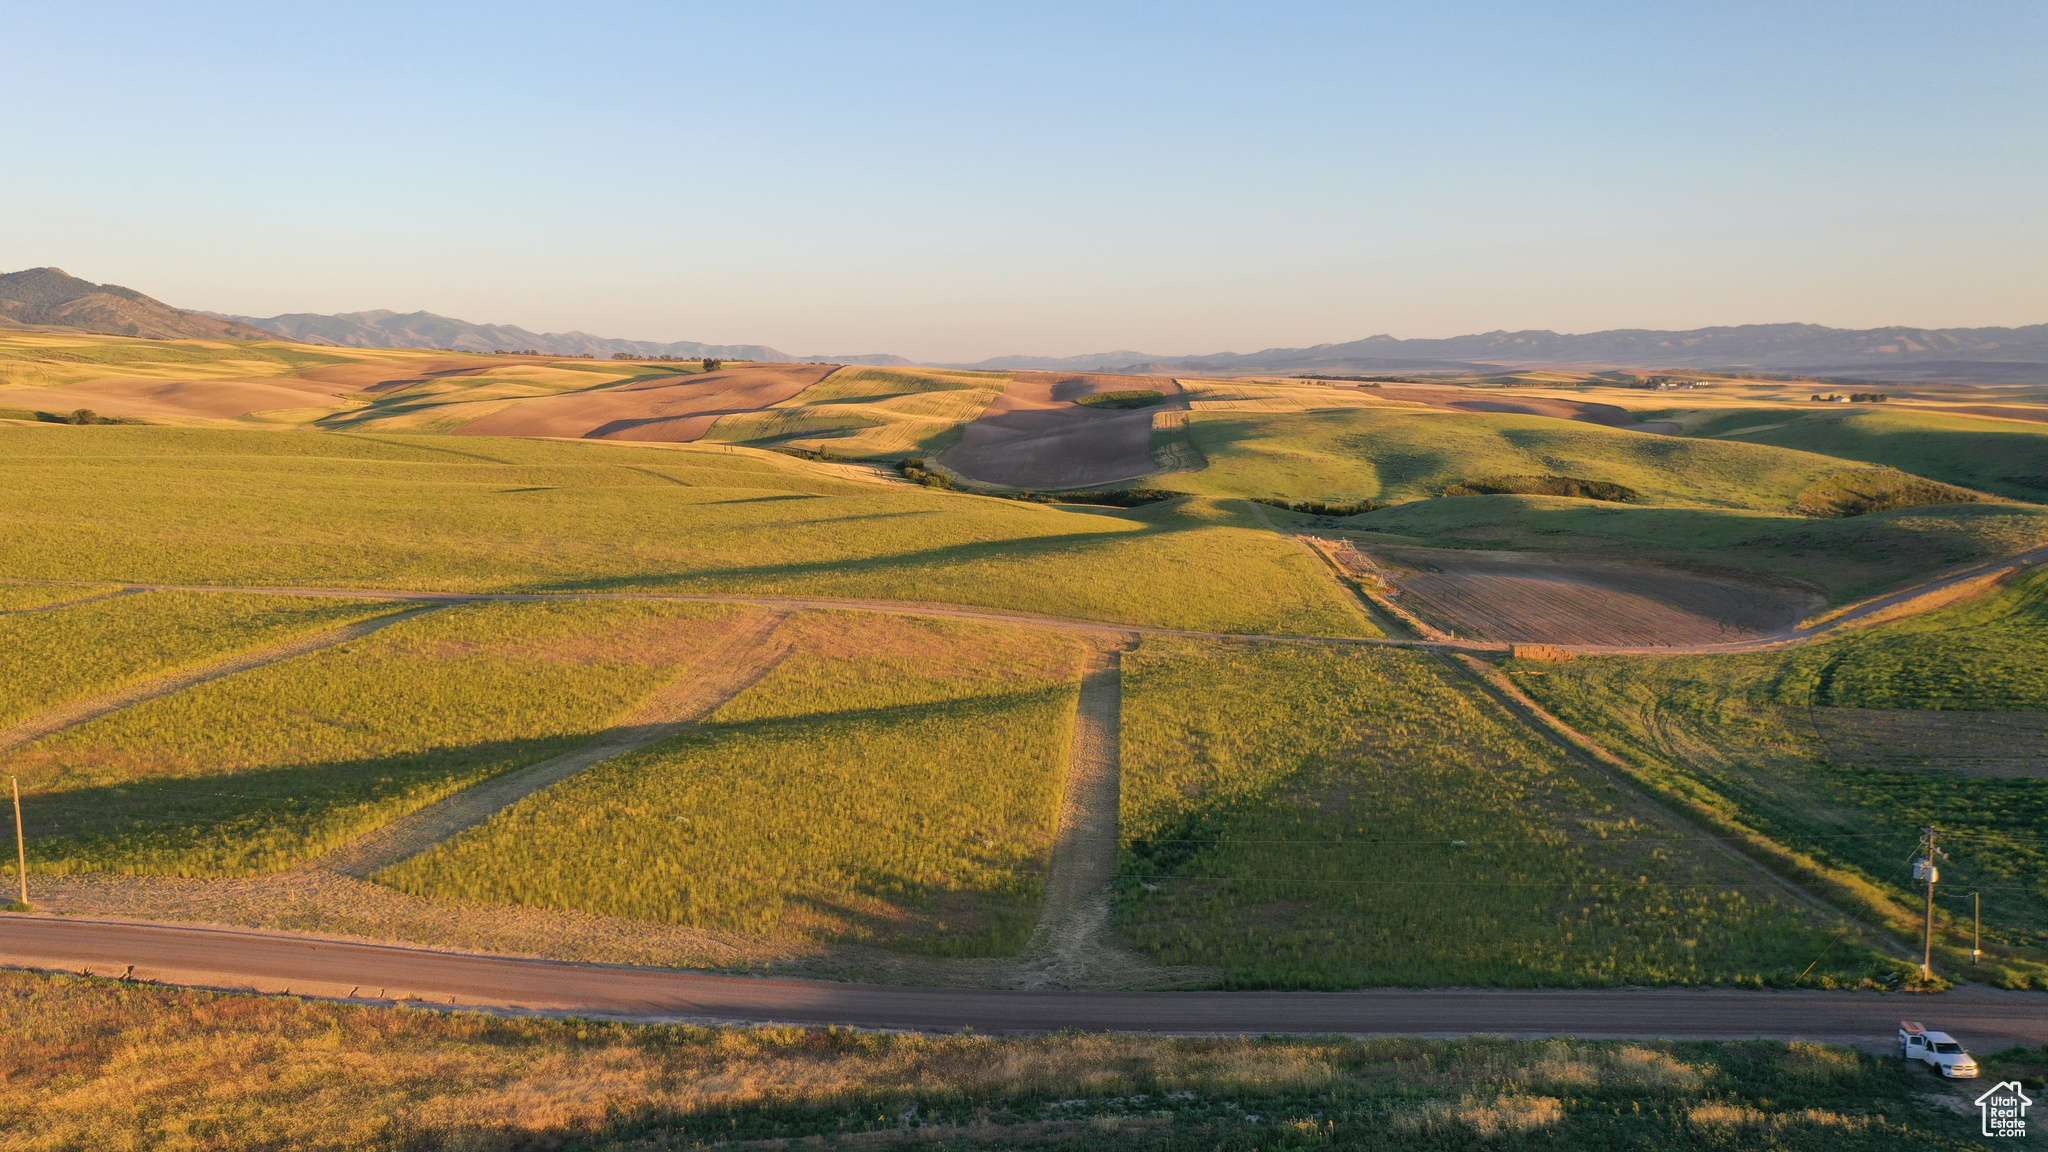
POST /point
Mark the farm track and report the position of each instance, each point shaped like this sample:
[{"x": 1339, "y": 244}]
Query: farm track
[
  {"x": 93, "y": 707},
  {"x": 1071, "y": 946},
  {"x": 724, "y": 669},
  {"x": 1494, "y": 684},
  {"x": 80, "y": 602},
  {"x": 338, "y": 969},
  {"x": 1934, "y": 592}
]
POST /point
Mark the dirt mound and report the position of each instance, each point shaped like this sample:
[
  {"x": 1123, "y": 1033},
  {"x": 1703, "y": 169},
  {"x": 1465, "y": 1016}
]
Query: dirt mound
[
  {"x": 668, "y": 409},
  {"x": 1036, "y": 435},
  {"x": 1532, "y": 598},
  {"x": 1460, "y": 399}
]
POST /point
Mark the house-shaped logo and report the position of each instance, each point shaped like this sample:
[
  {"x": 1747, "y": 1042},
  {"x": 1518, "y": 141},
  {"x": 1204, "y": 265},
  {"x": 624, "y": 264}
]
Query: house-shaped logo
[{"x": 2005, "y": 1109}]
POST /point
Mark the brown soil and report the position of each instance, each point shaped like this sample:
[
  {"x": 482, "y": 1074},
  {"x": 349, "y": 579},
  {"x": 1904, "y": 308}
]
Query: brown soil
[
  {"x": 1461, "y": 399},
  {"x": 2005, "y": 745},
  {"x": 1531, "y": 598},
  {"x": 1035, "y": 436},
  {"x": 390, "y": 375},
  {"x": 667, "y": 409}
]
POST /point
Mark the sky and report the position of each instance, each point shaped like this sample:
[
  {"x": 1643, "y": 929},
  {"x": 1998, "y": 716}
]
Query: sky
[{"x": 952, "y": 181}]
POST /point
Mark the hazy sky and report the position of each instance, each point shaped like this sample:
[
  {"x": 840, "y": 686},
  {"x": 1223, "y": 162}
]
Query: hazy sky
[{"x": 965, "y": 179}]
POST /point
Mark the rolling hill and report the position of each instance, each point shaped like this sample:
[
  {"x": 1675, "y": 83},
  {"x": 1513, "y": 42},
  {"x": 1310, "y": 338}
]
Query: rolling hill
[{"x": 55, "y": 298}]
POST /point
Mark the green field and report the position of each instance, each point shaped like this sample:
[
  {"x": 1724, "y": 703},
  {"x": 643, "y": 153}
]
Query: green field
[
  {"x": 890, "y": 781},
  {"x": 2008, "y": 457},
  {"x": 868, "y": 413},
  {"x": 43, "y": 359},
  {"x": 1391, "y": 455},
  {"x": 1307, "y": 817},
  {"x": 261, "y": 770},
  {"x": 103, "y": 1065},
  {"x": 1840, "y": 753},
  {"x": 49, "y": 658},
  {"x": 1844, "y": 558},
  {"x": 208, "y": 506}
]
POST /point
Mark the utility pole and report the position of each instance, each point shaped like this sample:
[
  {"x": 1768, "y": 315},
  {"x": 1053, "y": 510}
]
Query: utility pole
[
  {"x": 20, "y": 841},
  {"x": 1926, "y": 868},
  {"x": 1976, "y": 926}
]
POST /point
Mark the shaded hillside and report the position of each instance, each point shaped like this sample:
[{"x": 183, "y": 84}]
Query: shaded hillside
[{"x": 54, "y": 297}]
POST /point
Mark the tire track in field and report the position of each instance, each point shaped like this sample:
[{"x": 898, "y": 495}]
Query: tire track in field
[
  {"x": 728, "y": 666},
  {"x": 1575, "y": 744},
  {"x": 91, "y": 708},
  {"x": 1070, "y": 945},
  {"x": 77, "y": 603}
]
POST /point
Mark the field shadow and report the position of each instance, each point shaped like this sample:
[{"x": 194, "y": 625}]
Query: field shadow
[
  {"x": 968, "y": 552},
  {"x": 256, "y": 820}
]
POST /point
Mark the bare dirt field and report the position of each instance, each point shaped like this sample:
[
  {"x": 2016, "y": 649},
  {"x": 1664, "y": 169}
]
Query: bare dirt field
[
  {"x": 667, "y": 409},
  {"x": 1999, "y": 745},
  {"x": 1532, "y": 598},
  {"x": 1035, "y": 436},
  {"x": 389, "y": 375}
]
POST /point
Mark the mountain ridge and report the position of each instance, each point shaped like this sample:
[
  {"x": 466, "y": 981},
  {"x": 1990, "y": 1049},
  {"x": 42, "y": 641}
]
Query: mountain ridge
[
  {"x": 1786, "y": 347},
  {"x": 52, "y": 297}
]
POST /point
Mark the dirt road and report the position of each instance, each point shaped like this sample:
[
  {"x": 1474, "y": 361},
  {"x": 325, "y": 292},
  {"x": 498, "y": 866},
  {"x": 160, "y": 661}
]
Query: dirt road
[
  {"x": 311, "y": 966},
  {"x": 1927, "y": 594}
]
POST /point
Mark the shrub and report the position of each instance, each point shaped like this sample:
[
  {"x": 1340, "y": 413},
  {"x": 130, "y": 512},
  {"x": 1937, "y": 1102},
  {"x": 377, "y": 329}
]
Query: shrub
[
  {"x": 1322, "y": 507},
  {"x": 1127, "y": 398},
  {"x": 1576, "y": 487}
]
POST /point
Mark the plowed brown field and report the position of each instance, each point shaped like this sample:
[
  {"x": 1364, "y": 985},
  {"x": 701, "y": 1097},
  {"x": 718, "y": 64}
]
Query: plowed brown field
[
  {"x": 667, "y": 409},
  {"x": 1531, "y": 598},
  {"x": 1035, "y": 436}
]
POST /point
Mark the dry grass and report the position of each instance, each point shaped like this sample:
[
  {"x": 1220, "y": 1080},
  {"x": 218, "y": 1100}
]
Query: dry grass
[{"x": 112, "y": 1067}]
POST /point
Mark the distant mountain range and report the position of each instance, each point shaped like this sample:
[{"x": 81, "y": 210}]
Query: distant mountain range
[
  {"x": 53, "y": 297},
  {"x": 386, "y": 329},
  {"x": 49, "y": 296},
  {"x": 1978, "y": 353}
]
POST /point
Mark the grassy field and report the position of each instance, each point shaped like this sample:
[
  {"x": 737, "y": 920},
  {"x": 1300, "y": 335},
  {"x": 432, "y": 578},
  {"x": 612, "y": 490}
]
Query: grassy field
[
  {"x": 103, "y": 1065},
  {"x": 445, "y": 403},
  {"x": 48, "y": 658},
  {"x": 1393, "y": 455},
  {"x": 211, "y": 506},
  {"x": 1305, "y": 817},
  {"x": 868, "y": 413},
  {"x": 260, "y": 770},
  {"x": 1840, "y": 753},
  {"x": 47, "y": 359},
  {"x": 1844, "y": 558},
  {"x": 32, "y": 597},
  {"x": 890, "y": 781},
  {"x": 2009, "y": 457}
]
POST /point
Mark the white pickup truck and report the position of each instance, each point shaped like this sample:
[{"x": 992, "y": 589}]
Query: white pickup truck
[{"x": 1937, "y": 1049}]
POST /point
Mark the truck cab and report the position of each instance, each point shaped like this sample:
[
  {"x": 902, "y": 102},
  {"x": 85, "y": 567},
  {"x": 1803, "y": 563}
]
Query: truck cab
[{"x": 1937, "y": 1050}]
